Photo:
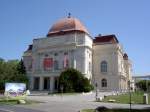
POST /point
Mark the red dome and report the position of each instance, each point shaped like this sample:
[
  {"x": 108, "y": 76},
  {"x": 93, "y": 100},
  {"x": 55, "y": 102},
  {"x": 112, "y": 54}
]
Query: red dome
[{"x": 67, "y": 24}]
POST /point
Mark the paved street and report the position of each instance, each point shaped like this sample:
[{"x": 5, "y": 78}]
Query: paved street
[
  {"x": 66, "y": 103},
  {"x": 9, "y": 108}
]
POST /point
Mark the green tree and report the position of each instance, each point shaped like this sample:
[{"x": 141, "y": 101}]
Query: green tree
[
  {"x": 143, "y": 85},
  {"x": 21, "y": 68},
  {"x": 12, "y": 71},
  {"x": 21, "y": 75},
  {"x": 73, "y": 81}
]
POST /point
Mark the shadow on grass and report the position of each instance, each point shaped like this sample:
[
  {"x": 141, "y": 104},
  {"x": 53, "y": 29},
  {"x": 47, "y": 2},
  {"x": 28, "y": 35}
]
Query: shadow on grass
[{"x": 104, "y": 109}]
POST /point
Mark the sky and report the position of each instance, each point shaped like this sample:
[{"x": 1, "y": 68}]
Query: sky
[{"x": 23, "y": 20}]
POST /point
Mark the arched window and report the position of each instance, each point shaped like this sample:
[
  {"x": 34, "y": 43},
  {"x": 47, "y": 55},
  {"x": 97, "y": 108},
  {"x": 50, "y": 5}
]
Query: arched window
[
  {"x": 104, "y": 83},
  {"x": 103, "y": 66}
]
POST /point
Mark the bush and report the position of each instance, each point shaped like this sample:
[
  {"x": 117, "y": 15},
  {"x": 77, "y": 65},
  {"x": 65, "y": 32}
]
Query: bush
[
  {"x": 143, "y": 85},
  {"x": 101, "y": 109},
  {"x": 74, "y": 81}
]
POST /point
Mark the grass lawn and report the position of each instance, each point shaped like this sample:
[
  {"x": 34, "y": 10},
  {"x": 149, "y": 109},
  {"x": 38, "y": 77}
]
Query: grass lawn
[
  {"x": 136, "y": 98},
  {"x": 14, "y": 101},
  {"x": 117, "y": 110}
]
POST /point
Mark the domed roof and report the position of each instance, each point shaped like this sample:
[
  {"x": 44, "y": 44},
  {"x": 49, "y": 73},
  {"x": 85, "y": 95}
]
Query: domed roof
[{"x": 67, "y": 24}]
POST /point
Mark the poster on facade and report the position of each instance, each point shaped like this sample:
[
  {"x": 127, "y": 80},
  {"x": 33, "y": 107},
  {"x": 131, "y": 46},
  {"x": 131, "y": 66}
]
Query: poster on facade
[
  {"x": 48, "y": 63},
  {"x": 15, "y": 89}
]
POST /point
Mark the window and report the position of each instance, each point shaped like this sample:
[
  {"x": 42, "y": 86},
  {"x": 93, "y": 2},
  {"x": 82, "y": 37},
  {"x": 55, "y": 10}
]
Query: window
[
  {"x": 104, "y": 83},
  {"x": 65, "y": 53},
  {"x": 66, "y": 61},
  {"x": 103, "y": 66},
  {"x": 56, "y": 54},
  {"x": 30, "y": 64},
  {"x": 46, "y": 55},
  {"x": 89, "y": 55},
  {"x": 90, "y": 67},
  {"x": 56, "y": 66}
]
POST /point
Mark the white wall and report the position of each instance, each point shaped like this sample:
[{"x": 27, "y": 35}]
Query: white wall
[
  {"x": 106, "y": 52},
  {"x": 78, "y": 46}
]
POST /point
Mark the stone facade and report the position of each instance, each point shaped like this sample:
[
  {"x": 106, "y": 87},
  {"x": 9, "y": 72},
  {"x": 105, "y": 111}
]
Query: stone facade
[
  {"x": 48, "y": 56},
  {"x": 118, "y": 71},
  {"x": 78, "y": 48}
]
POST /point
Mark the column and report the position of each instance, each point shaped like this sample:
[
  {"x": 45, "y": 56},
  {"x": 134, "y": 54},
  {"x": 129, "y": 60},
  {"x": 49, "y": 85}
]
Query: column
[
  {"x": 73, "y": 59},
  {"x": 74, "y": 66},
  {"x": 41, "y": 83},
  {"x": 51, "y": 84}
]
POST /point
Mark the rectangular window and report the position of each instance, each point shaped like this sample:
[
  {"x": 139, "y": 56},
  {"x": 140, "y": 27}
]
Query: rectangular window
[
  {"x": 56, "y": 65},
  {"x": 66, "y": 61},
  {"x": 90, "y": 68}
]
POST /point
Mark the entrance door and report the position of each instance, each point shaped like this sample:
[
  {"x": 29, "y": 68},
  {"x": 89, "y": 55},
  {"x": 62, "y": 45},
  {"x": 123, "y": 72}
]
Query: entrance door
[
  {"x": 36, "y": 83},
  {"x": 56, "y": 83},
  {"x": 46, "y": 83}
]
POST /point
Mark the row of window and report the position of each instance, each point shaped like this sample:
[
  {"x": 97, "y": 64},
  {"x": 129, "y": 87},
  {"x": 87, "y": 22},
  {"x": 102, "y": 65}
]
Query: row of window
[
  {"x": 49, "y": 63},
  {"x": 56, "y": 54},
  {"x": 104, "y": 68}
]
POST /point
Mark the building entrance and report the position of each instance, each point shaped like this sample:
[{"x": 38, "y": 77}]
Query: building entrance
[
  {"x": 36, "y": 83},
  {"x": 46, "y": 83}
]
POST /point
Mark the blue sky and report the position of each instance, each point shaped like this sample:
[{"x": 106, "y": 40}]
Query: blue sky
[{"x": 23, "y": 20}]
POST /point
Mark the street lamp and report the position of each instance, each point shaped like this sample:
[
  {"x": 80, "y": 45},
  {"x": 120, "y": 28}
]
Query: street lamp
[
  {"x": 61, "y": 88},
  {"x": 129, "y": 86},
  {"x": 96, "y": 94}
]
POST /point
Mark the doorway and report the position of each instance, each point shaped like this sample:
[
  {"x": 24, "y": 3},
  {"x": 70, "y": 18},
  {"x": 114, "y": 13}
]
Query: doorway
[
  {"x": 46, "y": 83},
  {"x": 36, "y": 83}
]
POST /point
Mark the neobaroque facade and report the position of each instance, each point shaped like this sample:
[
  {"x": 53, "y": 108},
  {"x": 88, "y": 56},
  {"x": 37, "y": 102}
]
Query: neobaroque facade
[{"x": 68, "y": 44}]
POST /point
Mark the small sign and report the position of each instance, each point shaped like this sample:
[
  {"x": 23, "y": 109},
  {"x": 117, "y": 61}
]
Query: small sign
[{"x": 15, "y": 89}]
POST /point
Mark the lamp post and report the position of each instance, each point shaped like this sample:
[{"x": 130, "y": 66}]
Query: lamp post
[
  {"x": 61, "y": 88},
  {"x": 96, "y": 94},
  {"x": 146, "y": 85},
  {"x": 129, "y": 85}
]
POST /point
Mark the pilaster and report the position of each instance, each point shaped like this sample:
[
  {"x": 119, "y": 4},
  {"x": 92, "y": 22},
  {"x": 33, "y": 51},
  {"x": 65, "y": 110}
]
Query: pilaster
[
  {"x": 41, "y": 83},
  {"x": 51, "y": 84}
]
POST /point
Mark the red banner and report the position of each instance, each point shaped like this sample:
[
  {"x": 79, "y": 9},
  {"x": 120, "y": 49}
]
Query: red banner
[{"x": 48, "y": 63}]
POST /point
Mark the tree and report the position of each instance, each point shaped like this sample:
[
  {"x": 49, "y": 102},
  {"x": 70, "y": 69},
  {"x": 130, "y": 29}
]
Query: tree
[
  {"x": 12, "y": 71},
  {"x": 22, "y": 77},
  {"x": 21, "y": 68},
  {"x": 143, "y": 85},
  {"x": 1, "y": 59},
  {"x": 73, "y": 81}
]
